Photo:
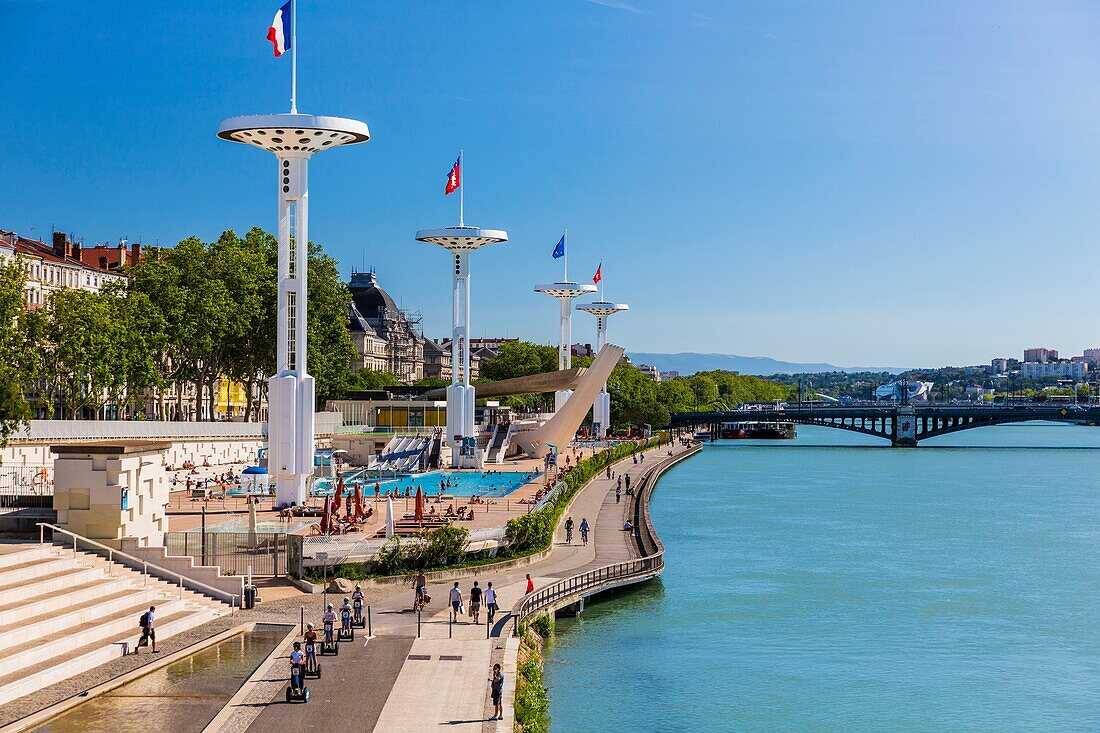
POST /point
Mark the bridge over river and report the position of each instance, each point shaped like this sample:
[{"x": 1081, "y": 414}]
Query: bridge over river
[{"x": 902, "y": 425}]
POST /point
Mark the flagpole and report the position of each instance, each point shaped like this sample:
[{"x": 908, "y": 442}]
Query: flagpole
[
  {"x": 565, "y": 240},
  {"x": 461, "y": 187},
  {"x": 293, "y": 57}
]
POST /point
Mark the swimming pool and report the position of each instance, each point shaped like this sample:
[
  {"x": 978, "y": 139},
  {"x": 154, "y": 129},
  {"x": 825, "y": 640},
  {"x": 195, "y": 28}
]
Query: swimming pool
[{"x": 461, "y": 483}]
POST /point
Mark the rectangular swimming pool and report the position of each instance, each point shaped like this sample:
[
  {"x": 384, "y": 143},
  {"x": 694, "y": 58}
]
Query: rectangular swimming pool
[{"x": 456, "y": 483}]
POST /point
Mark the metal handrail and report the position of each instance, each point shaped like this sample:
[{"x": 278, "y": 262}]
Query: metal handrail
[
  {"x": 111, "y": 552},
  {"x": 648, "y": 564}
]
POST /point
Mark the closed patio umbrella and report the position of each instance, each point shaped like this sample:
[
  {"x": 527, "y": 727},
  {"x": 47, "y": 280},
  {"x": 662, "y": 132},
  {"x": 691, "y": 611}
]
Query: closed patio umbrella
[
  {"x": 419, "y": 510},
  {"x": 357, "y": 499},
  {"x": 336, "y": 496},
  {"x": 326, "y": 518},
  {"x": 389, "y": 518},
  {"x": 251, "y": 522}
]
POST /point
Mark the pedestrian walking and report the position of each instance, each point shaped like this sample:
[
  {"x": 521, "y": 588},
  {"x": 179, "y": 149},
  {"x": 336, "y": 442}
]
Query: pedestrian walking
[
  {"x": 620, "y": 486},
  {"x": 609, "y": 473},
  {"x": 496, "y": 688},
  {"x": 475, "y": 602},
  {"x": 148, "y": 630},
  {"x": 490, "y": 602},
  {"x": 456, "y": 603},
  {"x": 618, "y": 494},
  {"x": 530, "y": 584}
]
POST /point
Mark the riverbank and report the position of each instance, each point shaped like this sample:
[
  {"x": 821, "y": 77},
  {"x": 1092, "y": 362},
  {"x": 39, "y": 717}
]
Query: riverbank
[{"x": 835, "y": 584}]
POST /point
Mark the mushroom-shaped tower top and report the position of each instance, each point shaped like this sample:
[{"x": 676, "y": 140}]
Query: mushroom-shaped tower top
[
  {"x": 462, "y": 239},
  {"x": 603, "y": 308},
  {"x": 565, "y": 290},
  {"x": 289, "y": 134}
]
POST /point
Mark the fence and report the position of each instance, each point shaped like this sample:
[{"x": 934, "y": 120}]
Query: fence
[
  {"x": 26, "y": 487},
  {"x": 233, "y": 552},
  {"x": 573, "y": 587},
  {"x": 345, "y": 548}
]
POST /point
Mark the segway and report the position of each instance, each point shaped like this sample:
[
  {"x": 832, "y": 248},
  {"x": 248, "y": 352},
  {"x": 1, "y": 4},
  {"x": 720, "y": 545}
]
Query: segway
[
  {"x": 297, "y": 691},
  {"x": 329, "y": 644},
  {"x": 358, "y": 619},
  {"x": 347, "y": 633},
  {"x": 313, "y": 667}
]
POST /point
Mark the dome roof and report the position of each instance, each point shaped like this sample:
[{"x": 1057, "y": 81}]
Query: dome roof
[{"x": 370, "y": 299}]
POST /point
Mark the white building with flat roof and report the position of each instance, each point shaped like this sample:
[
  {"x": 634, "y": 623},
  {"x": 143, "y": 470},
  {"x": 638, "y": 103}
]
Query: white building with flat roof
[{"x": 1067, "y": 369}]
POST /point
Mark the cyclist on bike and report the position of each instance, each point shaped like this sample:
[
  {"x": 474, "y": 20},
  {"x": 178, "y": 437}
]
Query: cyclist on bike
[
  {"x": 569, "y": 531},
  {"x": 421, "y": 585},
  {"x": 584, "y": 530}
]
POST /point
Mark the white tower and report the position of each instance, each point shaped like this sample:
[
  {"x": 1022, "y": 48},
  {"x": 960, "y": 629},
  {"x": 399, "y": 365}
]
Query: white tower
[
  {"x": 460, "y": 241},
  {"x": 293, "y": 138},
  {"x": 565, "y": 292},
  {"x": 601, "y": 408}
]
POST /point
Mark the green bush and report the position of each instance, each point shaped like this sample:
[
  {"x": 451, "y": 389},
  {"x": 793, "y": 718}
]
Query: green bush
[
  {"x": 438, "y": 548},
  {"x": 543, "y": 625},
  {"x": 532, "y": 700}
]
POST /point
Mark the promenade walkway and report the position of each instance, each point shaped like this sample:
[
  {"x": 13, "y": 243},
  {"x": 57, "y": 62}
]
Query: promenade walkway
[{"x": 395, "y": 682}]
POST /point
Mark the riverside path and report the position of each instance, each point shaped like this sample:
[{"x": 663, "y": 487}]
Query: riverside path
[{"x": 396, "y": 682}]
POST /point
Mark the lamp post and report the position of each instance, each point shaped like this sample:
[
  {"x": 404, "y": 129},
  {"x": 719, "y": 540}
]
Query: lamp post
[{"x": 294, "y": 139}]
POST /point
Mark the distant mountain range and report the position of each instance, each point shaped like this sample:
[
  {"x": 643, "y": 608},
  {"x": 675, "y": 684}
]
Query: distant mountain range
[{"x": 690, "y": 362}]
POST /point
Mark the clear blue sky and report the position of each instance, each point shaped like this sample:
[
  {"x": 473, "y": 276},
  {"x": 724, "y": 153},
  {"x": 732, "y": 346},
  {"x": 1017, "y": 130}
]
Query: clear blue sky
[{"x": 855, "y": 182}]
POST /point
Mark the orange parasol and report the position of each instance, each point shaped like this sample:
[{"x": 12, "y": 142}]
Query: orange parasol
[
  {"x": 419, "y": 511},
  {"x": 357, "y": 499}
]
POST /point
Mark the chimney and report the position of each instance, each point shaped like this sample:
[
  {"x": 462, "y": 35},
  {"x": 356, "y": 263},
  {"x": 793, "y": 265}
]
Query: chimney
[
  {"x": 59, "y": 243},
  {"x": 76, "y": 250},
  {"x": 135, "y": 253},
  {"x": 103, "y": 263}
]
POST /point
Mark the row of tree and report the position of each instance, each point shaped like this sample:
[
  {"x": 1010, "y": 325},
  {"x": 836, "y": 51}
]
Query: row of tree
[{"x": 187, "y": 317}]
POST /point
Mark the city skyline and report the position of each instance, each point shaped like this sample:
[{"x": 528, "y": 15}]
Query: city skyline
[{"x": 915, "y": 193}]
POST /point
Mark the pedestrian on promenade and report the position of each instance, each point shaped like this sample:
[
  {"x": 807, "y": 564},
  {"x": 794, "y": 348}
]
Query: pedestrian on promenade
[
  {"x": 496, "y": 688},
  {"x": 641, "y": 458},
  {"x": 620, "y": 486},
  {"x": 635, "y": 457},
  {"x": 475, "y": 602},
  {"x": 628, "y": 484},
  {"x": 456, "y": 603},
  {"x": 148, "y": 630},
  {"x": 530, "y": 584},
  {"x": 490, "y": 601},
  {"x": 618, "y": 494},
  {"x": 609, "y": 473}
]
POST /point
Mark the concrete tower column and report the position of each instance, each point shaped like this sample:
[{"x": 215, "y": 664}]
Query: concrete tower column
[{"x": 601, "y": 406}]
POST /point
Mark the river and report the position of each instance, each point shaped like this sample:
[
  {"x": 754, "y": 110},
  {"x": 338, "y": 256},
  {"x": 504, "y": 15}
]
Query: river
[{"x": 832, "y": 583}]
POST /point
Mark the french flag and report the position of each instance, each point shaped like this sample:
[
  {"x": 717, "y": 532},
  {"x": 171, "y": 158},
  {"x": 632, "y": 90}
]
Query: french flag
[{"x": 280, "y": 31}]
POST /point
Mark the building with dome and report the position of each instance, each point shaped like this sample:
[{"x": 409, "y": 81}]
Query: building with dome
[{"x": 386, "y": 337}]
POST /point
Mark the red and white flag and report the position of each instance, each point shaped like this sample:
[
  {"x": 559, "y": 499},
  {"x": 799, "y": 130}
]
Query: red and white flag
[
  {"x": 597, "y": 277},
  {"x": 454, "y": 178}
]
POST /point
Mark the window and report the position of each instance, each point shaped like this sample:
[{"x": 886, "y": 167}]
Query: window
[
  {"x": 292, "y": 224},
  {"x": 291, "y": 330}
]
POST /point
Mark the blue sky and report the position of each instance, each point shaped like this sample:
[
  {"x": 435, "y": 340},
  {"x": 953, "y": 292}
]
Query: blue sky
[{"x": 855, "y": 182}]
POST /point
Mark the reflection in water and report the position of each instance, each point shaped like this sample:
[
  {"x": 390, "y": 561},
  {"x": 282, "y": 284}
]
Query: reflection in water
[{"x": 184, "y": 696}]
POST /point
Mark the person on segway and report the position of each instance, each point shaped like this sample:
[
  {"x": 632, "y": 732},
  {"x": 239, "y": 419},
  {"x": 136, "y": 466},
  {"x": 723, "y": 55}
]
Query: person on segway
[
  {"x": 345, "y": 620},
  {"x": 297, "y": 689},
  {"x": 357, "y": 607},
  {"x": 310, "y": 638},
  {"x": 329, "y": 621}
]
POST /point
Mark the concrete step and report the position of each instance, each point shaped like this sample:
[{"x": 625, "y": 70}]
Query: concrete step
[
  {"x": 139, "y": 579},
  {"x": 15, "y": 554},
  {"x": 33, "y": 648},
  {"x": 48, "y": 671},
  {"x": 33, "y": 568},
  {"x": 14, "y": 609},
  {"x": 73, "y": 575},
  {"x": 63, "y": 617}
]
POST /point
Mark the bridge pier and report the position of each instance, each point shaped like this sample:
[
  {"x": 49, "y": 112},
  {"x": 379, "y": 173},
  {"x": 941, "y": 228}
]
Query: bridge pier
[{"x": 905, "y": 428}]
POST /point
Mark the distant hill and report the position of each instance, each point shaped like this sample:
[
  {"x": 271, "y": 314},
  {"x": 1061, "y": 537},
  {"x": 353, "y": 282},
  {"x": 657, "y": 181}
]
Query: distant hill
[{"x": 690, "y": 362}]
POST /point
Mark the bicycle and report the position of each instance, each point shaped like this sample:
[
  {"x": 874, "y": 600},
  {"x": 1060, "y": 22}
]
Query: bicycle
[
  {"x": 584, "y": 536},
  {"x": 568, "y": 535}
]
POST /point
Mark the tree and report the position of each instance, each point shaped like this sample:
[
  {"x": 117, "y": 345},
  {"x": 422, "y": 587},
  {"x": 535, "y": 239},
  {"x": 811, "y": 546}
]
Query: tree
[
  {"x": 330, "y": 347},
  {"x": 14, "y": 408},
  {"x": 520, "y": 359},
  {"x": 85, "y": 337},
  {"x": 357, "y": 380}
]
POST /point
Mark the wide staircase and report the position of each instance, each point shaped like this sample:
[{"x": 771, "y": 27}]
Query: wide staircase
[{"x": 63, "y": 612}]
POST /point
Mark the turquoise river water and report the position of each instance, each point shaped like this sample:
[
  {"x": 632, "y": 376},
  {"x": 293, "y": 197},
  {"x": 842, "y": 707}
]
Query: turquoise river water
[{"x": 831, "y": 583}]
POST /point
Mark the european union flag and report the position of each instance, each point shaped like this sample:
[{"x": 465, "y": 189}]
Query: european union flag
[{"x": 559, "y": 251}]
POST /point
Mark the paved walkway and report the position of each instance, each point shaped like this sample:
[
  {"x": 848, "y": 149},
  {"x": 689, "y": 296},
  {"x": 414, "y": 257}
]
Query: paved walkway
[{"x": 397, "y": 683}]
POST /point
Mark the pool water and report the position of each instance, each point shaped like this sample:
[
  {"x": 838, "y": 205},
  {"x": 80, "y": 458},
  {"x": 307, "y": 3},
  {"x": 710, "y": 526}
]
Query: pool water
[
  {"x": 180, "y": 698},
  {"x": 462, "y": 483}
]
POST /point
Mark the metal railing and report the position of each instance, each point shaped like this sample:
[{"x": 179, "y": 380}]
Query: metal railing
[
  {"x": 235, "y": 553},
  {"x": 161, "y": 571},
  {"x": 649, "y": 565}
]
